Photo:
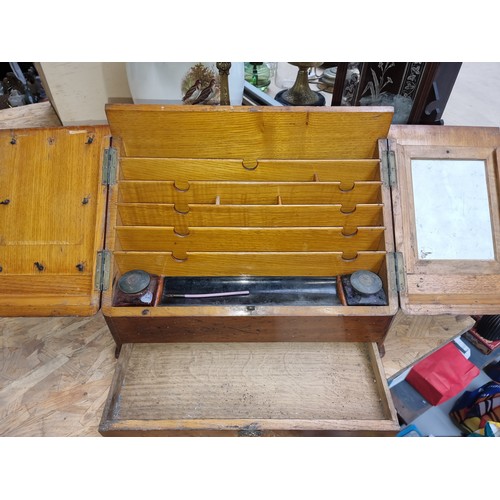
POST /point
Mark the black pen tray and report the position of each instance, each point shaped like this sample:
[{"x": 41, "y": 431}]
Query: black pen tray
[{"x": 262, "y": 290}]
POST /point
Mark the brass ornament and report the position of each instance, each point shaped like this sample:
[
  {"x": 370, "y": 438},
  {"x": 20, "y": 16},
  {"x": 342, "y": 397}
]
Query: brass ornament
[
  {"x": 224, "y": 68},
  {"x": 300, "y": 94}
]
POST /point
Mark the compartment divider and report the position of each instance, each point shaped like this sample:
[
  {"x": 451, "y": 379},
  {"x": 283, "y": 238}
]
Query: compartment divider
[
  {"x": 258, "y": 217},
  {"x": 184, "y": 170}
]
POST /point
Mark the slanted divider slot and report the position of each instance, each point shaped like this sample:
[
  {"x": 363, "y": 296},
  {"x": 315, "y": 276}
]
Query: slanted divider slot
[
  {"x": 144, "y": 214},
  {"x": 251, "y": 193},
  {"x": 239, "y": 239},
  {"x": 349, "y": 256},
  {"x": 249, "y": 263},
  {"x": 197, "y": 169},
  {"x": 346, "y": 186}
]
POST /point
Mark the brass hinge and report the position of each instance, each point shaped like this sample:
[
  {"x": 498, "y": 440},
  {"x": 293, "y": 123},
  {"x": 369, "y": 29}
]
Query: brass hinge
[
  {"x": 109, "y": 163},
  {"x": 397, "y": 271},
  {"x": 389, "y": 175},
  {"x": 102, "y": 270},
  {"x": 396, "y": 262}
]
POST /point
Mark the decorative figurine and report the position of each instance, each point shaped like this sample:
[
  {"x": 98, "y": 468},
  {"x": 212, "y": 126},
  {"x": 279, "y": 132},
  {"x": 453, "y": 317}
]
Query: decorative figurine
[
  {"x": 300, "y": 94},
  {"x": 206, "y": 94},
  {"x": 192, "y": 93}
]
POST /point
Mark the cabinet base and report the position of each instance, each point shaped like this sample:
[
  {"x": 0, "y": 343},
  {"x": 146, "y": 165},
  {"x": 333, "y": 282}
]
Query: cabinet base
[{"x": 249, "y": 329}]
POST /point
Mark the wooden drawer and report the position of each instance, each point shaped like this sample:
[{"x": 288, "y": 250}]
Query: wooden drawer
[{"x": 249, "y": 389}]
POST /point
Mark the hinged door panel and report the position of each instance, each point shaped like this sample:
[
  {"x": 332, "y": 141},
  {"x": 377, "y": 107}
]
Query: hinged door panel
[
  {"x": 447, "y": 222},
  {"x": 152, "y": 131},
  {"x": 51, "y": 220}
]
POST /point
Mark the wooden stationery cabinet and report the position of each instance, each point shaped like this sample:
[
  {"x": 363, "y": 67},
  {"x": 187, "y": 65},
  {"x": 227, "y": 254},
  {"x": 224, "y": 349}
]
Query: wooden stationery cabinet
[{"x": 248, "y": 260}]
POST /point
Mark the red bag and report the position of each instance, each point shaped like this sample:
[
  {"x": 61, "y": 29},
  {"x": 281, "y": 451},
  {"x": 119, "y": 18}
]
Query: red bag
[{"x": 442, "y": 374}]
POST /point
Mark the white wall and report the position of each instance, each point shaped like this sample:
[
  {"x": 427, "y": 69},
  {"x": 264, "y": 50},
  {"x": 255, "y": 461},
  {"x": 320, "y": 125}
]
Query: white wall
[
  {"x": 79, "y": 91},
  {"x": 475, "y": 98}
]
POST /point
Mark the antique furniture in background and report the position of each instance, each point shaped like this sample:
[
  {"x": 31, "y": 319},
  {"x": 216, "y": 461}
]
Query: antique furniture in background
[
  {"x": 427, "y": 85},
  {"x": 418, "y": 91}
]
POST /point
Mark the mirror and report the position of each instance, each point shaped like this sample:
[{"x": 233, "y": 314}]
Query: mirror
[{"x": 452, "y": 212}]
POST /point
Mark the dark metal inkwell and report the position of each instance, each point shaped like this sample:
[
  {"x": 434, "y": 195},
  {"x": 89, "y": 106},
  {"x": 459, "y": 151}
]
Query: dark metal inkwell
[
  {"x": 136, "y": 288},
  {"x": 363, "y": 288}
]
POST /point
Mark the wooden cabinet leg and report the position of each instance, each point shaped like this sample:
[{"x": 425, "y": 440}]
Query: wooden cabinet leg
[{"x": 381, "y": 349}]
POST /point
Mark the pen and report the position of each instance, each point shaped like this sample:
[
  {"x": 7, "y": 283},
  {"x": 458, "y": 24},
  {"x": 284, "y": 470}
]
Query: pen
[{"x": 205, "y": 295}]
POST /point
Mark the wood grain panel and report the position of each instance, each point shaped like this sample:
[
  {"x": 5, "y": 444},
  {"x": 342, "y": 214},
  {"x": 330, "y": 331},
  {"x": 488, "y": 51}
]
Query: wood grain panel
[
  {"x": 317, "y": 321},
  {"x": 482, "y": 301},
  {"x": 52, "y": 216},
  {"x": 43, "y": 295},
  {"x": 250, "y": 193},
  {"x": 242, "y": 386},
  {"x": 59, "y": 171},
  {"x": 194, "y": 169},
  {"x": 238, "y": 428},
  {"x": 136, "y": 214},
  {"x": 248, "y": 134},
  {"x": 40, "y": 114},
  {"x": 50, "y": 306},
  {"x": 468, "y": 284},
  {"x": 253, "y": 264},
  {"x": 210, "y": 381},
  {"x": 237, "y": 324},
  {"x": 56, "y": 257},
  {"x": 473, "y": 137},
  {"x": 310, "y": 239},
  {"x": 17, "y": 285}
]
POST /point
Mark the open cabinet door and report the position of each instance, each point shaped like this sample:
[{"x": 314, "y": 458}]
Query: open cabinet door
[
  {"x": 446, "y": 215},
  {"x": 52, "y": 205}
]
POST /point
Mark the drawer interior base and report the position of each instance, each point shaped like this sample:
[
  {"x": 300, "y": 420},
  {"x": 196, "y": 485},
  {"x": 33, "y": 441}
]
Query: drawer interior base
[{"x": 237, "y": 388}]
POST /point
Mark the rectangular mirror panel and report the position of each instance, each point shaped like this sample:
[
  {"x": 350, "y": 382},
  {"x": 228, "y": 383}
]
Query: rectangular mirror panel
[{"x": 452, "y": 213}]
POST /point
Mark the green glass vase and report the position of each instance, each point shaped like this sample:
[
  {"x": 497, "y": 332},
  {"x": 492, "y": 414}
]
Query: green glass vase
[{"x": 258, "y": 74}]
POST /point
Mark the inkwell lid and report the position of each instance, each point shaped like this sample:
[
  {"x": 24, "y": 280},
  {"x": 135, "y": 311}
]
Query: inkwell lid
[
  {"x": 134, "y": 281},
  {"x": 366, "y": 282}
]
